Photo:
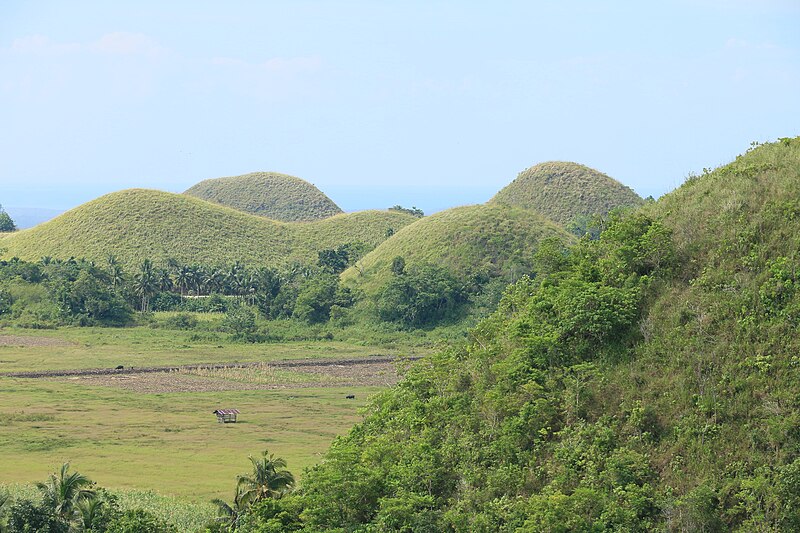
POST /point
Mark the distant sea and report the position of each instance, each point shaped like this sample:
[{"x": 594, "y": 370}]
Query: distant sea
[{"x": 28, "y": 217}]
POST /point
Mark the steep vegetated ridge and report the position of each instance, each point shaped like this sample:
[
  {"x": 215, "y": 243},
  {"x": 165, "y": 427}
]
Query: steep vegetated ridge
[
  {"x": 140, "y": 224},
  {"x": 478, "y": 241},
  {"x": 268, "y": 194},
  {"x": 644, "y": 380},
  {"x": 566, "y": 192}
]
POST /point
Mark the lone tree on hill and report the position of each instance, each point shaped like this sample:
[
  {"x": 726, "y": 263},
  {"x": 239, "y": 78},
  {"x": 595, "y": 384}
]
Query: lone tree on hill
[{"x": 6, "y": 224}]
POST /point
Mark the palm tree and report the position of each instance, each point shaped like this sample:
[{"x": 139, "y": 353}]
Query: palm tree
[
  {"x": 63, "y": 491},
  {"x": 215, "y": 280},
  {"x": 229, "y": 514},
  {"x": 114, "y": 270},
  {"x": 164, "y": 280},
  {"x": 196, "y": 276},
  {"x": 146, "y": 283},
  {"x": 268, "y": 480},
  {"x": 90, "y": 512},
  {"x": 182, "y": 278}
]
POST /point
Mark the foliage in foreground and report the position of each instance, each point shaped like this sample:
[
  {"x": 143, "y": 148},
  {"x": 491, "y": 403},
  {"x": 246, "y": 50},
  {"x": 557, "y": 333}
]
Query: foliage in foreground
[
  {"x": 69, "y": 502},
  {"x": 642, "y": 381}
]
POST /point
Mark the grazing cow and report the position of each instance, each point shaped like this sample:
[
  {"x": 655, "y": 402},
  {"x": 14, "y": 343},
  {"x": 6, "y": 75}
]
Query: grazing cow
[
  {"x": 351, "y": 396},
  {"x": 120, "y": 367}
]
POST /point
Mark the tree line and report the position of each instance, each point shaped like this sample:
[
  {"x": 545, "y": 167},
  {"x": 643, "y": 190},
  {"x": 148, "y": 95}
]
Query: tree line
[{"x": 83, "y": 292}]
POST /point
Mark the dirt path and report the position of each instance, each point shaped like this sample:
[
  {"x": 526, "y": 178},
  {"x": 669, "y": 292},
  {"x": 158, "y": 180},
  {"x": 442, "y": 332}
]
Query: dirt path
[
  {"x": 380, "y": 374},
  {"x": 287, "y": 364},
  {"x": 24, "y": 341}
]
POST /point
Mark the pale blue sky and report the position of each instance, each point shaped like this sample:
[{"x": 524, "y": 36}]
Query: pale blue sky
[{"x": 425, "y": 103}]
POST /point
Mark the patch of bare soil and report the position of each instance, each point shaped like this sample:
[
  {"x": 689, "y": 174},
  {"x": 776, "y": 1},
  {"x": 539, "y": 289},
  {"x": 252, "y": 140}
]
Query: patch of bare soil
[
  {"x": 326, "y": 374},
  {"x": 24, "y": 341}
]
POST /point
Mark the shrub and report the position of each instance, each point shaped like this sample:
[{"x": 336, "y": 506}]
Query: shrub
[
  {"x": 139, "y": 521},
  {"x": 181, "y": 321},
  {"x": 422, "y": 296}
]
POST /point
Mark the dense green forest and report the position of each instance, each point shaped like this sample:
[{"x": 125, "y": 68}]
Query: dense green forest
[{"x": 53, "y": 292}]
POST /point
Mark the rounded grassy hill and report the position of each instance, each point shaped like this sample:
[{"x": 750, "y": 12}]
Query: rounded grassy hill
[
  {"x": 136, "y": 224},
  {"x": 492, "y": 239},
  {"x": 268, "y": 194},
  {"x": 565, "y": 192}
]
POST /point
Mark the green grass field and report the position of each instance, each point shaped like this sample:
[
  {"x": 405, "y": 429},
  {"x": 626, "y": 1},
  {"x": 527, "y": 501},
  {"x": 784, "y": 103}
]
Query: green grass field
[{"x": 167, "y": 442}]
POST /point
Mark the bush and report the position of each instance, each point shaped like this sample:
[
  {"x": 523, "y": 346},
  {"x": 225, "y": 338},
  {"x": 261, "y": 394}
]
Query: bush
[
  {"x": 422, "y": 296},
  {"x": 139, "y": 521},
  {"x": 181, "y": 321},
  {"x": 26, "y": 516},
  {"x": 240, "y": 322}
]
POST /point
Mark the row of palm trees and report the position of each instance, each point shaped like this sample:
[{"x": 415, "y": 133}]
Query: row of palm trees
[
  {"x": 199, "y": 280},
  {"x": 237, "y": 279}
]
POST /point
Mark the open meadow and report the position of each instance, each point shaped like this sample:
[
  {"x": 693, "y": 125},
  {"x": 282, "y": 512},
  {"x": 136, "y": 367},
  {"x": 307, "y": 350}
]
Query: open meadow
[{"x": 156, "y": 431}]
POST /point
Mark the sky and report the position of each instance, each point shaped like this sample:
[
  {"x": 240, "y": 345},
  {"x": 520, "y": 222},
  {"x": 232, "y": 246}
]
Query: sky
[{"x": 426, "y": 103}]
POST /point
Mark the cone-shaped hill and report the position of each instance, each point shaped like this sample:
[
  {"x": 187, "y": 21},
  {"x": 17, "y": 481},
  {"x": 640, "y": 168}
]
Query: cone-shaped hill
[
  {"x": 137, "y": 224},
  {"x": 268, "y": 194},
  {"x": 492, "y": 239},
  {"x": 565, "y": 192}
]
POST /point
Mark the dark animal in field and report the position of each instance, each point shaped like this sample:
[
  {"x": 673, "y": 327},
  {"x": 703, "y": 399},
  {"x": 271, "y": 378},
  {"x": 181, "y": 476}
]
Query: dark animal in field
[
  {"x": 120, "y": 367},
  {"x": 351, "y": 396}
]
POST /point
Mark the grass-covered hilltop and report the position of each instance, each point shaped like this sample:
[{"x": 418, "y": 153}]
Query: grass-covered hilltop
[
  {"x": 488, "y": 246},
  {"x": 268, "y": 194},
  {"x": 139, "y": 224},
  {"x": 478, "y": 242},
  {"x": 567, "y": 193}
]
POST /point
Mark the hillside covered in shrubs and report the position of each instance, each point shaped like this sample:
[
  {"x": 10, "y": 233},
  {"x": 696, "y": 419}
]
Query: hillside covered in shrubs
[{"x": 644, "y": 380}]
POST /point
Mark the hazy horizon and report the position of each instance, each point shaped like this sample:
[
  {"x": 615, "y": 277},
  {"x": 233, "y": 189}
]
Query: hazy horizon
[{"x": 425, "y": 104}]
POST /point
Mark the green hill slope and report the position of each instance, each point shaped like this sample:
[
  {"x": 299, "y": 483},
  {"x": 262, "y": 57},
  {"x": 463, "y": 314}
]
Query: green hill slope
[
  {"x": 648, "y": 384},
  {"x": 565, "y": 192},
  {"x": 137, "y": 224},
  {"x": 268, "y": 194},
  {"x": 490, "y": 240}
]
